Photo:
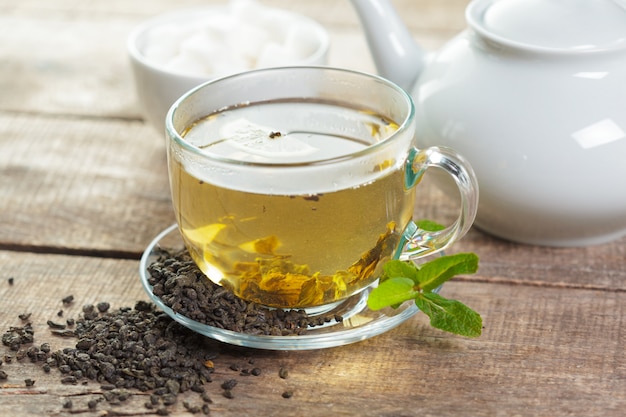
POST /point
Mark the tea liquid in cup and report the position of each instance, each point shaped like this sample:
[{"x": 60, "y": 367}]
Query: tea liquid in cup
[{"x": 293, "y": 186}]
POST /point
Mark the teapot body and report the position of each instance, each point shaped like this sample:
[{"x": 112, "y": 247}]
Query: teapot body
[{"x": 545, "y": 132}]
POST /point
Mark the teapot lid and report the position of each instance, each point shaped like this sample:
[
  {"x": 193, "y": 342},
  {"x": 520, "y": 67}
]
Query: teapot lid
[{"x": 573, "y": 25}]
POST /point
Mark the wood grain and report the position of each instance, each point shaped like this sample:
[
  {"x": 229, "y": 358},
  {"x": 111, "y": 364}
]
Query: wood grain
[
  {"x": 592, "y": 267},
  {"x": 544, "y": 351},
  {"x": 81, "y": 184},
  {"x": 83, "y": 189}
]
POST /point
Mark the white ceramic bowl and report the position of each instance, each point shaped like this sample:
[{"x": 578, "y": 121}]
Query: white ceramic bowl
[{"x": 158, "y": 87}]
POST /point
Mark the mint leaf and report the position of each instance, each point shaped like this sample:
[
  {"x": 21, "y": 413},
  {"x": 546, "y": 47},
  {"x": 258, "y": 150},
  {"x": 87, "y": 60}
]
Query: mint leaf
[
  {"x": 429, "y": 225},
  {"x": 434, "y": 273},
  {"x": 392, "y": 292},
  {"x": 450, "y": 315},
  {"x": 403, "y": 280},
  {"x": 396, "y": 268}
]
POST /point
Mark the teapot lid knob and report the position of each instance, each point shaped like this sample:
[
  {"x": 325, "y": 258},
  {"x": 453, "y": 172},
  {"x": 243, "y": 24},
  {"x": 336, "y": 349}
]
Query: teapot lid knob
[{"x": 574, "y": 25}]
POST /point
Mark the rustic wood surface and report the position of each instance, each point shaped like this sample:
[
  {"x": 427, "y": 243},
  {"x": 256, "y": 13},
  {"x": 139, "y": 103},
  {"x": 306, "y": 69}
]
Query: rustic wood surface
[{"x": 83, "y": 190}]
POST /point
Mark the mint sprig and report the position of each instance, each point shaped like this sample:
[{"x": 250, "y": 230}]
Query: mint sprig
[{"x": 403, "y": 281}]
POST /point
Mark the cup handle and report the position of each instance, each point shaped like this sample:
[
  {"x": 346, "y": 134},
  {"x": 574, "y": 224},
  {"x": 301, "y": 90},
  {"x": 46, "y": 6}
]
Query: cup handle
[{"x": 417, "y": 242}]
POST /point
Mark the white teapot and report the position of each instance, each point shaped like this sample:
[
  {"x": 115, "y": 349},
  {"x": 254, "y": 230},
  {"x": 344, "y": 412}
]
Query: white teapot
[{"x": 533, "y": 94}]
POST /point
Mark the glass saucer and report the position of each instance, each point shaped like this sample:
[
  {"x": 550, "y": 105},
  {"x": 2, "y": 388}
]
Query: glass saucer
[{"x": 359, "y": 322}]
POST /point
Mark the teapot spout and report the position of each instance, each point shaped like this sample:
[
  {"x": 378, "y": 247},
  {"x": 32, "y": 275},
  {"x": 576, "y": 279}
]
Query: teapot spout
[{"x": 396, "y": 55}]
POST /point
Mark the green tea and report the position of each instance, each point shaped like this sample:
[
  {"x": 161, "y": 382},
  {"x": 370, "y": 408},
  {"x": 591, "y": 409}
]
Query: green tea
[{"x": 304, "y": 244}]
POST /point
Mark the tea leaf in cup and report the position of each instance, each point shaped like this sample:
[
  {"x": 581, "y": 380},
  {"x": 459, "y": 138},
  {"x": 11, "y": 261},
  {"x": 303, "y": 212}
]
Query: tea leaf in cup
[{"x": 265, "y": 246}]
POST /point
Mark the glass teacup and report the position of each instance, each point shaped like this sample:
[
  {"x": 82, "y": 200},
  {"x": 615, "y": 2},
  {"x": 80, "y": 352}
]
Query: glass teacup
[{"x": 293, "y": 186}]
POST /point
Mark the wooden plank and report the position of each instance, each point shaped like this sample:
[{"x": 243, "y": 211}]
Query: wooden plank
[
  {"x": 81, "y": 184},
  {"x": 81, "y": 174},
  {"x": 544, "y": 351},
  {"x": 54, "y": 63},
  {"x": 601, "y": 266},
  {"x": 84, "y": 184},
  {"x": 92, "y": 184}
]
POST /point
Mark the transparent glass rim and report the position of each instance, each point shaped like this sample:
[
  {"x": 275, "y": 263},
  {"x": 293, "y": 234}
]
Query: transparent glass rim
[{"x": 173, "y": 134}]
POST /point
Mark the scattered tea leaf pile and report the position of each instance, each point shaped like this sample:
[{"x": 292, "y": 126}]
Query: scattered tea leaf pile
[
  {"x": 182, "y": 286},
  {"x": 127, "y": 351}
]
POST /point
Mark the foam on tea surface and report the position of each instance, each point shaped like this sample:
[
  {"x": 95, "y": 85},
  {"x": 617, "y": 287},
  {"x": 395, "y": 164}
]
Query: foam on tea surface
[
  {"x": 275, "y": 133},
  {"x": 278, "y": 132},
  {"x": 261, "y": 141}
]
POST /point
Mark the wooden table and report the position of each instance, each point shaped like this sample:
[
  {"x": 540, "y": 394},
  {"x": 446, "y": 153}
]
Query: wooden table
[{"x": 83, "y": 190}]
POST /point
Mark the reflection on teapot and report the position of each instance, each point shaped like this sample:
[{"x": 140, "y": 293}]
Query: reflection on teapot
[{"x": 533, "y": 93}]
